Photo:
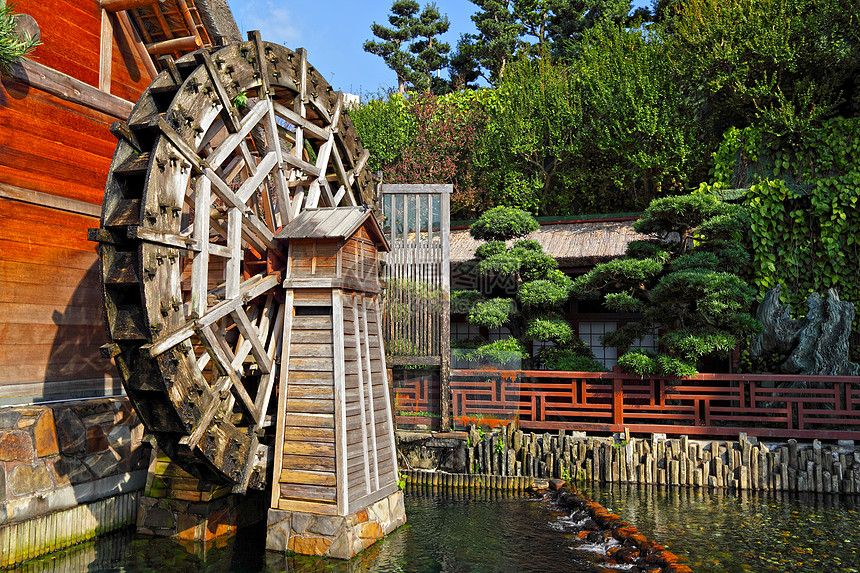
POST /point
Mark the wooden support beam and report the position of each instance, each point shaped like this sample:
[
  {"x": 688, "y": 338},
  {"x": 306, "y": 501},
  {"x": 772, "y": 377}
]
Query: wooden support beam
[
  {"x": 68, "y": 88},
  {"x": 189, "y": 21},
  {"x": 105, "y": 52},
  {"x": 186, "y": 44},
  {"x": 131, "y": 32},
  {"x": 120, "y": 5}
]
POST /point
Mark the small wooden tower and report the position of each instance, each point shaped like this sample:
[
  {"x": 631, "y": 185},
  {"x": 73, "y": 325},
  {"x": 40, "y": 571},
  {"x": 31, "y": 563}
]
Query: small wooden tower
[{"x": 335, "y": 459}]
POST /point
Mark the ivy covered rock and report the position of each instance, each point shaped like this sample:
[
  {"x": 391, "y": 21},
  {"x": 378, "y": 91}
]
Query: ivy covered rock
[
  {"x": 685, "y": 281},
  {"x": 816, "y": 344}
]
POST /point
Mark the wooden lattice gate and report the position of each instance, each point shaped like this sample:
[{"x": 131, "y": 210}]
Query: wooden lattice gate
[{"x": 417, "y": 314}]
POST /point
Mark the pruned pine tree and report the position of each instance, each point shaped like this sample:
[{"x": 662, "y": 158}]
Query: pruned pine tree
[
  {"x": 487, "y": 53},
  {"x": 534, "y": 312},
  {"x": 685, "y": 281},
  {"x": 411, "y": 46}
]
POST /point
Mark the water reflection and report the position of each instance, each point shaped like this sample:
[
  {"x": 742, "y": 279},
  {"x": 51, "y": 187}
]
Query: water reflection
[{"x": 722, "y": 531}]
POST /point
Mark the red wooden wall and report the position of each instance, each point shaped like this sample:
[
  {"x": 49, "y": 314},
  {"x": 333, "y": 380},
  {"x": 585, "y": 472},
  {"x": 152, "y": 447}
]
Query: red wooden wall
[{"x": 50, "y": 304}]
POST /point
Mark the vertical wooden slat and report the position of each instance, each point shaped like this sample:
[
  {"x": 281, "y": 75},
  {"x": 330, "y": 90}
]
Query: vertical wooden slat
[
  {"x": 339, "y": 399},
  {"x": 371, "y": 391},
  {"x": 233, "y": 268},
  {"x": 105, "y": 52},
  {"x": 283, "y": 384},
  {"x": 361, "y": 396},
  {"x": 445, "y": 330},
  {"x": 389, "y": 415}
]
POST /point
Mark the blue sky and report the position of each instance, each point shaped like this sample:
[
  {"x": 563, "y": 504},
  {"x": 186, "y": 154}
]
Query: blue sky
[{"x": 333, "y": 32}]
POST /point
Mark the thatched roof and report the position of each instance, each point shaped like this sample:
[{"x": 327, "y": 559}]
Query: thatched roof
[{"x": 574, "y": 244}]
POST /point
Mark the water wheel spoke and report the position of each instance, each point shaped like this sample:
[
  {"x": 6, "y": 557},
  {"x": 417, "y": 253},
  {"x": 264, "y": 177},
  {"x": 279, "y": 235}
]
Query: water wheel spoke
[
  {"x": 222, "y": 358},
  {"x": 243, "y": 323}
]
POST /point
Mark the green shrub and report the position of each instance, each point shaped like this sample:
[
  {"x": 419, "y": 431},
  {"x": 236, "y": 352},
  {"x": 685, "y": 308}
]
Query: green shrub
[
  {"x": 463, "y": 300},
  {"x": 542, "y": 293},
  {"x": 505, "y": 352},
  {"x": 535, "y": 265},
  {"x": 567, "y": 360},
  {"x": 503, "y": 223},
  {"x": 492, "y": 313},
  {"x": 622, "y": 302},
  {"x": 650, "y": 249},
  {"x": 552, "y": 327},
  {"x": 490, "y": 249},
  {"x": 501, "y": 264},
  {"x": 638, "y": 362},
  {"x": 527, "y": 245}
]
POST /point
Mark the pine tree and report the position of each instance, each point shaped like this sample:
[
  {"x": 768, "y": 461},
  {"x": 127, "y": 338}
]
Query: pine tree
[{"x": 411, "y": 46}]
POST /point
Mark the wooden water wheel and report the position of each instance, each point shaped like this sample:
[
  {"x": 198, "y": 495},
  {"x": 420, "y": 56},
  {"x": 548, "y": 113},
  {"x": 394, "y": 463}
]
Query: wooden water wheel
[{"x": 224, "y": 148}]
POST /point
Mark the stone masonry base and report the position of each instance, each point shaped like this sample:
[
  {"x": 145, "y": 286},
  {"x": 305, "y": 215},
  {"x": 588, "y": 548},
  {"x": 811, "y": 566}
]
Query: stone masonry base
[
  {"x": 176, "y": 504},
  {"x": 341, "y": 537}
]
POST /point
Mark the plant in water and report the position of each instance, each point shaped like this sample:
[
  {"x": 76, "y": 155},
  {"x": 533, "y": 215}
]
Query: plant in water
[{"x": 401, "y": 480}]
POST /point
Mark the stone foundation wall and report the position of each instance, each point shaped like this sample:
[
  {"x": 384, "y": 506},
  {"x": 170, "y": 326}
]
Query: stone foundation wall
[
  {"x": 59, "y": 456},
  {"x": 341, "y": 537},
  {"x": 178, "y": 505}
]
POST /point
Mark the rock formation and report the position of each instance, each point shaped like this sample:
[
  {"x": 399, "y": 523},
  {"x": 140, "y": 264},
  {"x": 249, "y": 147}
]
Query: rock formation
[{"x": 816, "y": 344}]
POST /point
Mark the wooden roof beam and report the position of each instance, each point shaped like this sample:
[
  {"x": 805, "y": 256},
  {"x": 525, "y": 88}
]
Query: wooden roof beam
[{"x": 120, "y": 5}]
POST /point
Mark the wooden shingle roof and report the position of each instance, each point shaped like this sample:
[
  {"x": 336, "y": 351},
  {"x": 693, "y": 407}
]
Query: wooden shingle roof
[
  {"x": 576, "y": 244},
  {"x": 333, "y": 223}
]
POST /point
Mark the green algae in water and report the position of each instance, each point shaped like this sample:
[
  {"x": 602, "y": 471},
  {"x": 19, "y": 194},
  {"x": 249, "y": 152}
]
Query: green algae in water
[{"x": 720, "y": 531}]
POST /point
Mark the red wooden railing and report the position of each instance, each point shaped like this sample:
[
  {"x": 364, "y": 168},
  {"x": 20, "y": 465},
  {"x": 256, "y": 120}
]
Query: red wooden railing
[
  {"x": 762, "y": 405},
  {"x": 416, "y": 398}
]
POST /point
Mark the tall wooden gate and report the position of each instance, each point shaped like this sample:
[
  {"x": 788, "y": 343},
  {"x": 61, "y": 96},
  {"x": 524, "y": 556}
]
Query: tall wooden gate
[{"x": 417, "y": 314}]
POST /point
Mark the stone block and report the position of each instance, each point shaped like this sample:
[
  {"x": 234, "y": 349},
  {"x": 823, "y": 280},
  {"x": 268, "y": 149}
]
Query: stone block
[
  {"x": 300, "y": 522},
  {"x": 16, "y": 446},
  {"x": 68, "y": 470},
  {"x": 2, "y": 486},
  {"x": 103, "y": 464},
  {"x": 8, "y": 419},
  {"x": 71, "y": 433},
  {"x": 119, "y": 436},
  {"x": 370, "y": 530},
  {"x": 45, "y": 435},
  {"x": 309, "y": 545},
  {"x": 186, "y": 527},
  {"x": 158, "y": 519},
  {"x": 324, "y": 525},
  {"x": 26, "y": 479},
  {"x": 96, "y": 440},
  {"x": 26, "y": 422}
]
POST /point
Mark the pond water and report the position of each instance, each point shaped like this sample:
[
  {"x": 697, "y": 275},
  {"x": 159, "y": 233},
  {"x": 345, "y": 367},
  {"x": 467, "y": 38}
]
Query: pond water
[
  {"x": 447, "y": 531},
  {"x": 712, "y": 531},
  {"x": 725, "y": 532}
]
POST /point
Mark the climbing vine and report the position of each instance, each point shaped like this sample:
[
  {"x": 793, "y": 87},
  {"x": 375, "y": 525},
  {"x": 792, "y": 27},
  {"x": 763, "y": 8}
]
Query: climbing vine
[{"x": 802, "y": 196}]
